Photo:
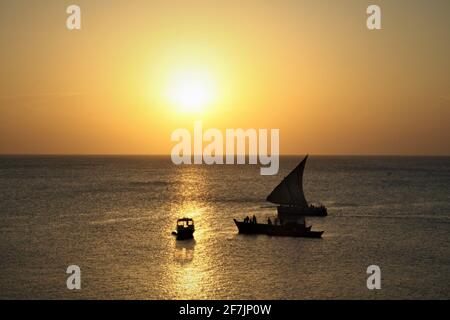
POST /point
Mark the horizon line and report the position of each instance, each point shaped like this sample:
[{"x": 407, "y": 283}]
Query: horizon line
[{"x": 168, "y": 155}]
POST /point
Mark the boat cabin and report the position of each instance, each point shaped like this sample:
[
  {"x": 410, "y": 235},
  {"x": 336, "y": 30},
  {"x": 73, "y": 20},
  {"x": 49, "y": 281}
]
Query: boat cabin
[
  {"x": 185, "y": 223},
  {"x": 185, "y": 228}
]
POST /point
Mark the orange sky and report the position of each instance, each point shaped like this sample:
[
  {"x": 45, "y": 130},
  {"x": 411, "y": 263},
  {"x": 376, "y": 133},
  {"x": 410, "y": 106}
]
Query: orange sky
[{"x": 310, "y": 68}]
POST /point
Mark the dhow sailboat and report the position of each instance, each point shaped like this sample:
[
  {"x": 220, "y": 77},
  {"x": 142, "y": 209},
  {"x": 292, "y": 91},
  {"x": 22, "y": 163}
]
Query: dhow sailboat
[
  {"x": 290, "y": 197},
  {"x": 292, "y": 210}
]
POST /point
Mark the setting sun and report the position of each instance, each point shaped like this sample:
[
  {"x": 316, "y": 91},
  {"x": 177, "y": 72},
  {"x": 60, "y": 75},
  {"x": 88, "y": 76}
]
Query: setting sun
[{"x": 191, "y": 90}]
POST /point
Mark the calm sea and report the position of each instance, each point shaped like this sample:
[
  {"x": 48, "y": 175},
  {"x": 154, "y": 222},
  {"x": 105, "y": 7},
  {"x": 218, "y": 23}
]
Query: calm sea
[{"x": 113, "y": 217}]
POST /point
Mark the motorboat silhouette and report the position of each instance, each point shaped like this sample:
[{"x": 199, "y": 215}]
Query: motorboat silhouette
[{"x": 185, "y": 229}]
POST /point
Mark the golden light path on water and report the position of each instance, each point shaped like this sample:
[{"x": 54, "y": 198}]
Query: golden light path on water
[
  {"x": 191, "y": 271},
  {"x": 115, "y": 222}
]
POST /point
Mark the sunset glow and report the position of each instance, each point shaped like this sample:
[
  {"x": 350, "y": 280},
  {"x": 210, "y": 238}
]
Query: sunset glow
[
  {"x": 314, "y": 71},
  {"x": 191, "y": 90}
]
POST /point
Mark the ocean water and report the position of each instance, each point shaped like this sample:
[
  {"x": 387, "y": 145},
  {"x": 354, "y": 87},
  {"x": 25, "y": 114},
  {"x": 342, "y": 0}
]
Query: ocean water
[{"x": 113, "y": 217}]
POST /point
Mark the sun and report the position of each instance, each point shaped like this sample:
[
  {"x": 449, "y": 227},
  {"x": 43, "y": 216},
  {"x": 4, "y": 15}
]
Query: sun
[{"x": 191, "y": 90}]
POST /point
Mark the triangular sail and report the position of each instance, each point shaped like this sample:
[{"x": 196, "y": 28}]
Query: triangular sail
[{"x": 290, "y": 190}]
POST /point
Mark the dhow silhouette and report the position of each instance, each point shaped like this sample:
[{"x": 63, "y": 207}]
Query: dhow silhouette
[{"x": 292, "y": 209}]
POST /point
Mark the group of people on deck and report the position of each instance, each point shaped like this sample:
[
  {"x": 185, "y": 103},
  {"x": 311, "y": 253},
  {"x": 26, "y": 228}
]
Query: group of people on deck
[
  {"x": 248, "y": 220},
  {"x": 253, "y": 220}
]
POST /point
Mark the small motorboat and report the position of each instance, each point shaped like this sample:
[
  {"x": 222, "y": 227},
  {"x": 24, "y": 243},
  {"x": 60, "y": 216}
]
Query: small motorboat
[{"x": 185, "y": 229}]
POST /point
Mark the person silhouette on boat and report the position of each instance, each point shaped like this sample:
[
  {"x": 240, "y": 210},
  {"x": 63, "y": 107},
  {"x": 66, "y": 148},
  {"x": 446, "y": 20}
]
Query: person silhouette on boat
[
  {"x": 247, "y": 219},
  {"x": 254, "y": 219}
]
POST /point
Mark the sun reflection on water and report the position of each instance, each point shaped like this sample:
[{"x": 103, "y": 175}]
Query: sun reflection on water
[
  {"x": 184, "y": 251},
  {"x": 190, "y": 268}
]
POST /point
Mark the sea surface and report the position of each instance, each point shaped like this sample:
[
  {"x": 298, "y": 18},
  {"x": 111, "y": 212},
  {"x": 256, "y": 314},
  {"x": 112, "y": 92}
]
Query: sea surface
[{"x": 113, "y": 217}]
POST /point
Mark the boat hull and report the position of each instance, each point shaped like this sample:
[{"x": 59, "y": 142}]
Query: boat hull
[
  {"x": 287, "y": 230},
  {"x": 292, "y": 212},
  {"x": 185, "y": 234}
]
